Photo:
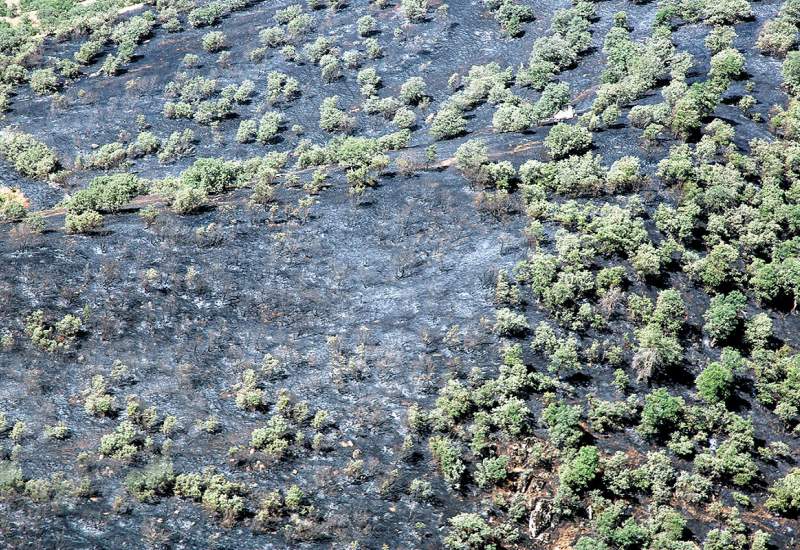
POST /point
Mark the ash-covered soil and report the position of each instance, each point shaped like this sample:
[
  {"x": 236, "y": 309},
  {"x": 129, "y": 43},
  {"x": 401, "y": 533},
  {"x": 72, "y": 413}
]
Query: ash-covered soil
[{"x": 388, "y": 336}]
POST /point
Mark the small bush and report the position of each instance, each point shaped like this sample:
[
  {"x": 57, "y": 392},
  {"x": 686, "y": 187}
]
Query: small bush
[
  {"x": 715, "y": 383},
  {"x": 30, "y": 157},
  {"x": 366, "y": 25},
  {"x": 723, "y": 315},
  {"x": 510, "y": 323},
  {"x": 566, "y": 139},
  {"x": 785, "y": 494},
  {"x": 188, "y": 199},
  {"x": 214, "y": 41},
  {"x": 105, "y": 194},
  {"x": 153, "y": 481},
  {"x": 414, "y": 10},
  {"x": 661, "y": 413},
  {"x": 469, "y": 532},
  {"x": 44, "y": 81},
  {"x": 790, "y": 71},
  {"x": 448, "y": 122},
  {"x": 210, "y": 175},
  {"x": 84, "y": 222}
]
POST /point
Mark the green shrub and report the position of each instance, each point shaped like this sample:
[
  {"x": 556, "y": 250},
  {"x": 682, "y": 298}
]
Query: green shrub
[
  {"x": 214, "y": 41},
  {"x": 30, "y": 157},
  {"x": 784, "y": 494},
  {"x": 779, "y": 35},
  {"x": 624, "y": 175},
  {"x": 511, "y": 416},
  {"x": 565, "y": 139},
  {"x": 210, "y": 175},
  {"x": 123, "y": 443},
  {"x": 723, "y": 315},
  {"x": 563, "y": 424},
  {"x": 12, "y": 205},
  {"x": 177, "y": 145},
  {"x": 661, "y": 413},
  {"x": 105, "y": 194},
  {"x": 146, "y": 143},
  {"x": 790, "y": 71},
  {"x": 414, "y": 10},
  {"x": 154, "y": 480},
  {"x": 207, "y": 15},
  {"x": 413, "y": 90},
  {"x": 366, "y": 25},
  {"x": 448, "y": 459},
  {"x": 510, "y": 323},
  {"x": 88, "y": 51},
  {"x": 581, "y": 470},
  {"x": 491, "y": 471},
  {"x": 84, "y": 222},
  {"x": 217, "y": 494},
  {"x": 727, "y": 64},
  {"x": 448, "y": 122},
  {"x": 332, "y": 118},
  {"x": 469, "y": 532},
  {"x": 11, "y": 479},
  {"x": 657, "y": 351},
  {"x": 188, "y": 199},
  {"x": 98, "y": 401},
  {"x": 44, "y": 81},
  {"x": 271, "y": 439},
  {"x": 715, "y": 383},
  {"x": 269, "y": 126},
  {"x": 720, "y": 38}
]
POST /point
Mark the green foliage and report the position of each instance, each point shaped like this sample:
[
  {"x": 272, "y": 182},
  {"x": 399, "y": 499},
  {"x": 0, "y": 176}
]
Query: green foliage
[
  {"x": 413, "y": 90},
  {"x": 784, "y": 494},
  {"x": 272, "y": 439},
  {"x": 214, "y": 41},
  {"x": 563, "y": 424},
  {"x": 11, "y": 479},
  {"x": 715, "y": 383},
  {"x": 105, "y": 194},
  {"x": 210, "y": 175},
  {"x": 269, "y": 126},
  {"x": 790, "y": 71},
  {"x": 580, "y": 470},
  {"x": 448, "y": 459},
  {"x": 732, "y": 459},
  {"x": 723, "y": 315},
  {"x": 30, "y": 157},
  {"x": 469, "y": 532},
  {"x": 331, "y": 118},
  {"x": 511, "y": 416},
  {"x": 727, "y": 64},
  {"x": 154, "y": 480},
  {"x": 448, "y": 122},
  {"x": 510, "y": 323},
  {"x": 98, "y": 401},
  {"x": 217, "y": 494},
  {"x": 12, "y": 205},
  {"x": 123, "y": 443},
  {"x": 58, "y": 336},
  {"x": 44, "y": 81},
  {"x": 779, "y": 35},
  {"x": 414, "y": 10},
  {"x": 83, "y": 222},
  {"x": 491, "y": 471},
  {"x": 366, "y": 25},
  {"x": 566, "y": 139},
  {"x": 660, "y": 414}
]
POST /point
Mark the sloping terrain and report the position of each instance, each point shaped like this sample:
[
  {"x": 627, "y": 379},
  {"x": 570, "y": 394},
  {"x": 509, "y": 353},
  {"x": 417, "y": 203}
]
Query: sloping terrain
[{"x": 400, "y": 274}]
